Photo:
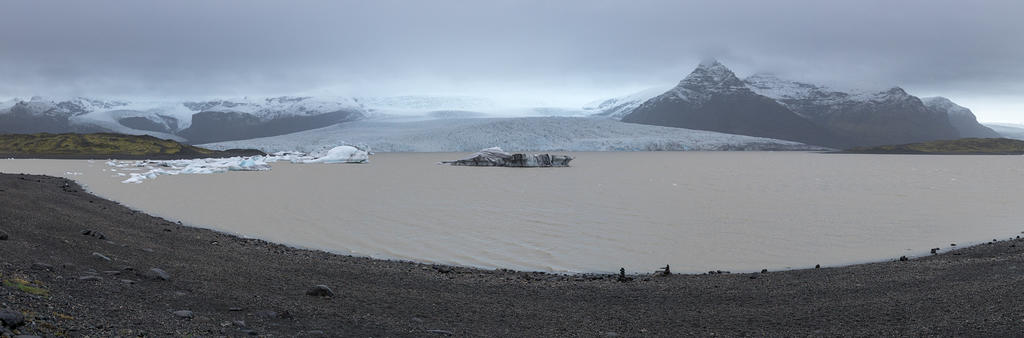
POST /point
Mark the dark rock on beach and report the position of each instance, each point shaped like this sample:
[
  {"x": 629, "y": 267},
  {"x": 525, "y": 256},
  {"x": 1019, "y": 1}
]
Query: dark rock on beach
[
  {"x": 157, "y": 273},
  {"x": 101, "y": 256},
  {"x": 973, "y": 291},
  {"x": 11, "y": 319},
  {"x": 186, "y": 314},
  {"x": 42, "y": 266},
  {"x": 320, "y": 291},
  {"x": 96, "y": 234}
]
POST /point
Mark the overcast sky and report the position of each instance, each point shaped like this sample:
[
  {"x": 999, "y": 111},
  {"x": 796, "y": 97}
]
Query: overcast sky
[{"x": 564, "y": 52}]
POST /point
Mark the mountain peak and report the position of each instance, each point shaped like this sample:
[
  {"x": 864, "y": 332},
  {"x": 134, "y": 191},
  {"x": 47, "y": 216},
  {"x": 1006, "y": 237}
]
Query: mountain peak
[
  {"x": 897, "y": 90},
  {"x": 710, "y": 63},
  {"x": 709, "y": 77},
  {"x": 713, "y": 67}
]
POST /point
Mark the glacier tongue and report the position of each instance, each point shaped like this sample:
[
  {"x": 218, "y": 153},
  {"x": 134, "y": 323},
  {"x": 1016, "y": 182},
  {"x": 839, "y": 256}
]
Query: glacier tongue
[
  {"x": 618, "y": 107},
  {"x": 523, "y": 134}
]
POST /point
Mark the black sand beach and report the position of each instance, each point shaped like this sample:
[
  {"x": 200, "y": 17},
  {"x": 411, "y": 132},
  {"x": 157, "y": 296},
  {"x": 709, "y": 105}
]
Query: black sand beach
[{"x": 76, "y": 264}]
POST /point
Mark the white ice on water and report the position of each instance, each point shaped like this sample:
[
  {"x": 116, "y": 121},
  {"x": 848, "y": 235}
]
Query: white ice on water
[
  {"x": 140, "y": 171},
  {"x": 342, "y": 154}
]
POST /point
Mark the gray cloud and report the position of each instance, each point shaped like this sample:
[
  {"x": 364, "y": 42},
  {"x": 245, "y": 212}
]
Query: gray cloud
[{"x": 559, "y": 51}]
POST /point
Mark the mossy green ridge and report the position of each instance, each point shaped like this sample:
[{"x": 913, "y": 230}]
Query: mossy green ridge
[
  {"x": 964, "y": 146},
  {"x": 105, "y": 145},
  {"x": 26, "y": 287}
]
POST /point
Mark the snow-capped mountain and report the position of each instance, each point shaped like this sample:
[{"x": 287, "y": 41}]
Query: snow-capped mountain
[
  {"x": 222, "y": 120},
  {"x": 41, "y": 115},
  {"x": 961, "y": 118},
  {"x": 861, "y": 117},
  {"x": 713, "y": 98},
  {"x": 517, "y": 134},
  {"x": 277, "y": 107},
  {"x": 4, "y": 105},
  {"x": 202, "y": 121},
  {"x": 803, "y": 98}
]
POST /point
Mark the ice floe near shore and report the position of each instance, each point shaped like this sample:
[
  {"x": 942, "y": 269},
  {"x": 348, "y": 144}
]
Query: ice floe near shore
[{"x": 140, "y": 171}]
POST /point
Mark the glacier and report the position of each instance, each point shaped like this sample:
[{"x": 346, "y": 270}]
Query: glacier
[
  {"x": 618, "y": 107},
  {"x": 1008, "y": 130},
  {"x": 519, "y": 134}
]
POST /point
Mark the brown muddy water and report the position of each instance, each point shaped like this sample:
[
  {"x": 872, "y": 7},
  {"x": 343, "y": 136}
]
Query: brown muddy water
[{"x": 698, "y": 211}]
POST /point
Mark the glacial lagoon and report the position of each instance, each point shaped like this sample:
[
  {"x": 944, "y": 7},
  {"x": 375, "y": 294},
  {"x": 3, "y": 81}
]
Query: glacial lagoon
[{"x": 697, "y": 211}]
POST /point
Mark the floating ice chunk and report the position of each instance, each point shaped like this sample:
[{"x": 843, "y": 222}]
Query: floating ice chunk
[
  {"x": 151, "y": 169},
  {"x": 496, "y": 157},
  {"x": 196, "y": 166},
  {"x": 342, "y": 154}
]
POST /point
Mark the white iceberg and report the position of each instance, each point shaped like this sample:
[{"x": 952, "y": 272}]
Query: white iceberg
[
  {"x": 342, "y": 154},
  {"x": 146, "y": 170}
]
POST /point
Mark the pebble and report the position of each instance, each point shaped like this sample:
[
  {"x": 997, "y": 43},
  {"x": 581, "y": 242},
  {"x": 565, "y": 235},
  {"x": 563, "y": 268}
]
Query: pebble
[
  {"x": 444, "y": 332},
  {"x": 11, "y": 319},
  {"x": 101, "y": 256},
  {"x": 184, "y": 314},
  {"x": 42, "y": 266},
  {"x": 320, "y": 291},
  {"x": 127, "y": 281},
  {"x": 4, "y": 236},
  {"x": 266, "y": 314},
  {"x": 157, "y": 273},
  {"x": 904, "y": 259},
  {"x": 93, "y": 233},
  {"x": 90, "y": 278}
]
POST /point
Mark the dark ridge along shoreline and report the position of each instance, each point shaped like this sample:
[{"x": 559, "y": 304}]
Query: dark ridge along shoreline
[
  {"x": 76, "y": 264},
  {"x": 106, "y": 146},
  {"x": 964, "y": 146}
]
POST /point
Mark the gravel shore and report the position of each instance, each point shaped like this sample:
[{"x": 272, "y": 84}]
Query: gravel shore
[{"x": 76, "y": 264}]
